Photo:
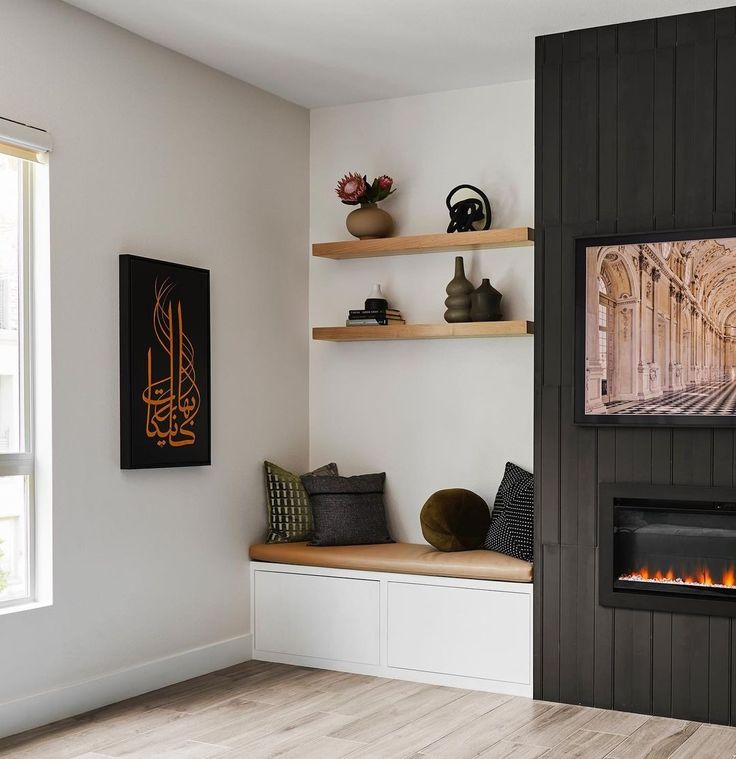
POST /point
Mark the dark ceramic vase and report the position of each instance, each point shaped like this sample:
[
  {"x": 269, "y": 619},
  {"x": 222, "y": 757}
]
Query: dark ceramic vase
[
  {"x": 376, "y": 300},
  {"x": 458, "y": 295},
  {"x": 485, "y": 303}
]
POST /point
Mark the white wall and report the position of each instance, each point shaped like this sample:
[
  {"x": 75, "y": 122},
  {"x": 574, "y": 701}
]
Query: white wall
[
  {"x": 157, "y": 155},
  {"x": 434, "y": 414}
]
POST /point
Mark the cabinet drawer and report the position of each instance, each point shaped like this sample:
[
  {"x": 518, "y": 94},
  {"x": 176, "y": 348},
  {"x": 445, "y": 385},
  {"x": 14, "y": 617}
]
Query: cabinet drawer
[
  {"x": 324, "y": 617},
  {"x": 460, "y": 631}
]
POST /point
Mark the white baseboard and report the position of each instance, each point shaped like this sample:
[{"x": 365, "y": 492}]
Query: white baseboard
[
  {"x": 76, "y": 698},
  {"x": 397, "y": 673}
]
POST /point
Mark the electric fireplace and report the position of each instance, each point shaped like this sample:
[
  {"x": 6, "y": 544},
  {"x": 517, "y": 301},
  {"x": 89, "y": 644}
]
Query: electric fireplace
[{"x": 668, "y": 548}]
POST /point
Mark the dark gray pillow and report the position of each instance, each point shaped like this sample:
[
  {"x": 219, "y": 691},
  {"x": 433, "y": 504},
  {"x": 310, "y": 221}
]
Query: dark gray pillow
[
  {"x": 347, "y": 511},
  {"x": 512, "y": 520}
]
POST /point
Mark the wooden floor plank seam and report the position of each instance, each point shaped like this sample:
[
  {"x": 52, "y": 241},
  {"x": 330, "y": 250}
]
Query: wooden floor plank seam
[{"x": 258, "y": 710}]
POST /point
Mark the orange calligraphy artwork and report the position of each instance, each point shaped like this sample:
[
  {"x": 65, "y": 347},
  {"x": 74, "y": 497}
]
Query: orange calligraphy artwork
[{"x": 172, "y": 402}]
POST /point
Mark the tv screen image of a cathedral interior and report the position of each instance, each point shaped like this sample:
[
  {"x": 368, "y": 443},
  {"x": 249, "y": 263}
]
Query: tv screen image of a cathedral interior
[{"x": 660, "y": 328}]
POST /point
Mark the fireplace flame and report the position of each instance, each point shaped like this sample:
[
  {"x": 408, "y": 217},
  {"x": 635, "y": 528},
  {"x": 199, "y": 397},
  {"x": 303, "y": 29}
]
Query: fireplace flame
[{"x": 701, "y": 576}]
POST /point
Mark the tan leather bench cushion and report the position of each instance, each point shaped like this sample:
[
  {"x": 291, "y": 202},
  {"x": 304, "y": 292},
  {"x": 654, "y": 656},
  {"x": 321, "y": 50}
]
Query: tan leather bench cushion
[{"x": 404, "y": 558}]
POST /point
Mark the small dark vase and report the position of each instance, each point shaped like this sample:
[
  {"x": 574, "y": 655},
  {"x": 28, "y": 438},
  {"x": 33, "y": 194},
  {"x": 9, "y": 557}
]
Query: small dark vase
[
  {"x": 458, "y": 295},
  {"x": 376, "y": 300},
  {"x": 485, "y": 303}
]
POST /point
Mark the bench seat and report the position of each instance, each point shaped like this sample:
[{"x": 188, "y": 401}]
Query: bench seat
[
  {"x": 402, "y": 558},
  {"x": 461, "y": 619}
]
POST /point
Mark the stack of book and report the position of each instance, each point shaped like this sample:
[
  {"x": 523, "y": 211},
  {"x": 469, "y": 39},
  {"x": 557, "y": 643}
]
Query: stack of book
[{"x": 366, "y": 317}]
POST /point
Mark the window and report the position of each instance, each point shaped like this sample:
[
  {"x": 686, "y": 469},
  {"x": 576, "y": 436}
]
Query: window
[
  {"x": 603, "y": 336},
  {"x": 20, "y": 172}
]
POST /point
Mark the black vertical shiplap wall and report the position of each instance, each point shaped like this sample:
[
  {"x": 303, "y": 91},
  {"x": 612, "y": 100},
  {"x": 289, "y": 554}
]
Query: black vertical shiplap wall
[{"x": 635, "y": 130}]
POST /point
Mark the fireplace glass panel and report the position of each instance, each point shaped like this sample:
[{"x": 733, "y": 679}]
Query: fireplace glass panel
[{"x": 675, "y": 547}]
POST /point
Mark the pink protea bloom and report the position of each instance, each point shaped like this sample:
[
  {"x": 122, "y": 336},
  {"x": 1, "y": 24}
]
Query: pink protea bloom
[
  {"x": 385, "y": 182},
  {"x": 351, "y": 187}
]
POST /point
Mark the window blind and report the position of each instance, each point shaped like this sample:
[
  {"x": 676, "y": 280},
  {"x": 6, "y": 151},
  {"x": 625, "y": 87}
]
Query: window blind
[{"x": 23, "y": 141}]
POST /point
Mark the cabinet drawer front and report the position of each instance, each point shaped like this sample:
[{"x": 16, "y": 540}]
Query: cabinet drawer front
[
  {"x": 325, "y": 617},
  {"x": 460, "y": 631}
]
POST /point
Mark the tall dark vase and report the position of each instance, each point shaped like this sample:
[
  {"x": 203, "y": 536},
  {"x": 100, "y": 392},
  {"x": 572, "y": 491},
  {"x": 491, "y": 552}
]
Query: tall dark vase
[
  {"x": 458, "y": 295},
  {"x": 485, "y": 303}
]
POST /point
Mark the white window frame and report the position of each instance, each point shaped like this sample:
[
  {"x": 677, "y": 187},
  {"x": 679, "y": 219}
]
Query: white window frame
[{"x": 23, "y": 463}]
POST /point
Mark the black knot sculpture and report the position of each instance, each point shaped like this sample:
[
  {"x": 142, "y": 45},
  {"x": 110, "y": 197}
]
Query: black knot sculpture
[{"x": 466, "y": 213}]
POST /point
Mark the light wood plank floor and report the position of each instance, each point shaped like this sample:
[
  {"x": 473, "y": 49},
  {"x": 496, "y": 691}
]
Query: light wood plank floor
[{"x": 258, "y": 710}]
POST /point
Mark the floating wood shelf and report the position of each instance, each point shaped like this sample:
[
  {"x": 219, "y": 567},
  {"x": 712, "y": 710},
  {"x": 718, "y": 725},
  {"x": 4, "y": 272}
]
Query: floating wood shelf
[
  {"x": 401, "y": 246},
  {"x": 424, "y": 331}
]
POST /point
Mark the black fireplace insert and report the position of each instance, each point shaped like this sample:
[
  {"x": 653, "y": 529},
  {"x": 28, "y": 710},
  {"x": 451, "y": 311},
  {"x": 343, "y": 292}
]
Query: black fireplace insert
[{"x": 668, "y": 548}]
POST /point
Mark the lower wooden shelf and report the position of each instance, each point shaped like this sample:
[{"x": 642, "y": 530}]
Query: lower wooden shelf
[{"x": 424, "y": 331}]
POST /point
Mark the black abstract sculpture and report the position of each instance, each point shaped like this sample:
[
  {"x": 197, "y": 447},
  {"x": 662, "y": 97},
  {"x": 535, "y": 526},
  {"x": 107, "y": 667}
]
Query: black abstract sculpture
[{"x": 467, "y": 212}]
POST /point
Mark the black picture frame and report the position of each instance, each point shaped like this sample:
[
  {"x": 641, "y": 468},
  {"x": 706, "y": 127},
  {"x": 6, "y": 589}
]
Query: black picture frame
[
  {"x": 582, "y": 243},
  {"x": 165, "y": 374}
]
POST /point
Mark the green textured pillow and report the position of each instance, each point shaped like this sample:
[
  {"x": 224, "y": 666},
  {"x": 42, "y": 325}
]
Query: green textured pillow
[
  {"x": 289, "y": 513},
  {"x": 455, "y": 520}
]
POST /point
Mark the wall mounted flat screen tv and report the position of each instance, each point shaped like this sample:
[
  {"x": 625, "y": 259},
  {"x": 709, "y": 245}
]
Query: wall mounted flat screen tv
[{"x": 655, "y": 329}]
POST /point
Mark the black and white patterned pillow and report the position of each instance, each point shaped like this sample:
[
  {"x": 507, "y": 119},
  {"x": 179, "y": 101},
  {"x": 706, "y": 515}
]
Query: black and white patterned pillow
[{"x": 512, "y": 521}]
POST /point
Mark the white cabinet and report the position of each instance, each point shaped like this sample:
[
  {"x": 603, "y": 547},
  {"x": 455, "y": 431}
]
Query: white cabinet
[
  {"x": 473, "y": 634},
  {"x": 460, "y": 631},
  {"x": 323, "y": 617}
]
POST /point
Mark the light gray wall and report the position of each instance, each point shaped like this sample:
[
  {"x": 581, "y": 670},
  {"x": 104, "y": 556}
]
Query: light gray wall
[
  {"x": 156, "y": 155},
  {"x": 432, "y": 413}
]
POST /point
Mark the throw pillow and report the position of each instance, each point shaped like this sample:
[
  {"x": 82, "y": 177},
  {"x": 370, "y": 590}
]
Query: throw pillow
[
  {"x": 512, "y": 522},
  {"x": 455, "y": 520},
  {"x": 289, "y": 512},
  {"x": 347, "y": 510}
]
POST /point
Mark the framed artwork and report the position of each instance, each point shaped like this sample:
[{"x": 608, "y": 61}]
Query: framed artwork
[
  {"x": 164, "y": 364},
  {"x": 655, "y": 329}
]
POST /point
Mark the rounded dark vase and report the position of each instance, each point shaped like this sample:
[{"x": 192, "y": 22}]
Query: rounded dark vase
[
  {"x": 458, "y": 295},
  {"x": 485, "y": 303}
]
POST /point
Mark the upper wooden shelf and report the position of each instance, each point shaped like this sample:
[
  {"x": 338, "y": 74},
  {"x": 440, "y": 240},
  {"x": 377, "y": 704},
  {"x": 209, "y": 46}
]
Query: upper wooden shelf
[
  {"x": 401, "y": 246},
  {"x": 424, "y": 331}
]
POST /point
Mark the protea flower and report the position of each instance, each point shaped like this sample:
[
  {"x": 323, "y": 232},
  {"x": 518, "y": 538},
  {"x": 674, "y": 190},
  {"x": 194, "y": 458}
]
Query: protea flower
[
  {"x": 354, "y": 188},
  {"x": 351, "y": 188},
  {"x": 381, "y": 188}
]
